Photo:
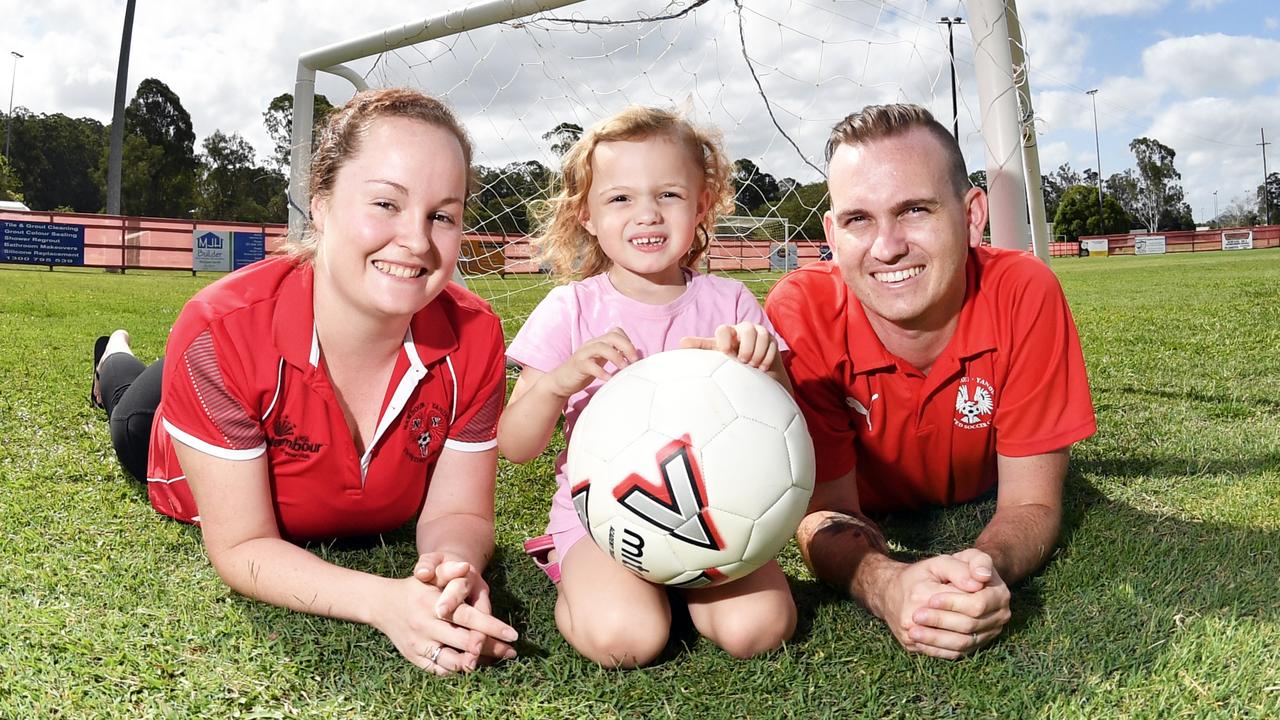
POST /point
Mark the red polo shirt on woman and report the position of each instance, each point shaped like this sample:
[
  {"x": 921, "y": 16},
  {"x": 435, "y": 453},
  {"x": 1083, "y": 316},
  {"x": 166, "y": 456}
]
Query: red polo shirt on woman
[
  {"x": 243, "y": 377},
  {"x": 1010, "y": 382}
]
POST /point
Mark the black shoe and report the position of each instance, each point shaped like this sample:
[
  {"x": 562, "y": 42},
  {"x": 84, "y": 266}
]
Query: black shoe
[{"x": 99, "y": 347}]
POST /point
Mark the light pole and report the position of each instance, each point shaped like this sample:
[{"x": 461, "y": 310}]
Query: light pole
[
  {"x": 1215, "y": 207},
  {"x": 951, "y": 43},
  {"x": 8, "y": 123},
  {"x": 1266, "y": 197},
  {"x": 1097, "y": 148}
]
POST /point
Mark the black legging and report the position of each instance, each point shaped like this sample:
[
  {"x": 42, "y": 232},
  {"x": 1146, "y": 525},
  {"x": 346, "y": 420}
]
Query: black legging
[{"x": 131, "y": 394}]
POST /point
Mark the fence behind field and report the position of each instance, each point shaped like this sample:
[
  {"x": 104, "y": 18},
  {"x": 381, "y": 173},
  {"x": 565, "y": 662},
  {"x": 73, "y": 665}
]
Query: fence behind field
[
  {"x": 1179, "y": 241},
  {"x": 139, "y": 243},
  {"x": 123, "y": 242}
]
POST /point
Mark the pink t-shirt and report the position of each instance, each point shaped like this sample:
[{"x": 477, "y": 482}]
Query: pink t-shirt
[{"x": 572, "y": 314}]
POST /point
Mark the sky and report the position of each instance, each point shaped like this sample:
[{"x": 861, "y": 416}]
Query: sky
[{"x": 1200, "y": 76}]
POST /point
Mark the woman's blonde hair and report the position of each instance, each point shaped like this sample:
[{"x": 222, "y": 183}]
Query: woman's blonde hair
[
  {"x": 345, "y": 129},
  {"x": 566, "y": 247}
]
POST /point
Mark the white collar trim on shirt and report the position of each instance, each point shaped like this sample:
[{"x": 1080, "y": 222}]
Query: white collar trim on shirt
[{"x": 399, "y": 398}]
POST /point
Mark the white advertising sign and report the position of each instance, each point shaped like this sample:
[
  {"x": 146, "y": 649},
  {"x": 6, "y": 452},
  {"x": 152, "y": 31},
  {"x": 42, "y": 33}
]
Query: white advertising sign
[
  {"x": 1237, "y": 240},
  {"x": 1096, "y": 247},
  {"x": 1148, "y": 245},
  {"x": 211, "y": 251}
]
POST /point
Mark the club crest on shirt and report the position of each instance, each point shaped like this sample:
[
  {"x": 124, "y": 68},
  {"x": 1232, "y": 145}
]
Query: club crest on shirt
[
  {"x": 975, "y": 403},
  {"x": 424, "y": 430}
]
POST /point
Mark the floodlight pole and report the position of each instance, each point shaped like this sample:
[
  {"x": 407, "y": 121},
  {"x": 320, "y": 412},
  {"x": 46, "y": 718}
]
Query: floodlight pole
[
  {"x": 1266, "y": 197},
  {"x": 951, "y": 44},
  {"x": 1215, "y": 205},
  {"x": 1097, "y": 148},
  {"x": 115, "y": 154},
  {"x": 8, "y": 123}
]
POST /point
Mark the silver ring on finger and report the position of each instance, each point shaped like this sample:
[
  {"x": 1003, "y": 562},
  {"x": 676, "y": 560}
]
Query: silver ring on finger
[
  {"x": 434, "y": 654},
  {"x": 974, "y": 636}
]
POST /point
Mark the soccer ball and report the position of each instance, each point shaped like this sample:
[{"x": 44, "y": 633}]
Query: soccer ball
[{"x": 691, "y": 468}]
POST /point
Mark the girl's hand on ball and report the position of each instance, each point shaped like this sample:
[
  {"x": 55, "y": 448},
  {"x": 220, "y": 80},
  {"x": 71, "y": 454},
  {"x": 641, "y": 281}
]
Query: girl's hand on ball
[
  {"x": 588, "y": 362},
  {"x": 751, "y": 343}
]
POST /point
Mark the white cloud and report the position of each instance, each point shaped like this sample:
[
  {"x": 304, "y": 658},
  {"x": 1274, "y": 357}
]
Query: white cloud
[
  {"x": 1215, "y": 139},
  {"x": 1089, "y": 8},
  {"x": 1204, "y": 4},
  {"x": 1212, "y": 64}
]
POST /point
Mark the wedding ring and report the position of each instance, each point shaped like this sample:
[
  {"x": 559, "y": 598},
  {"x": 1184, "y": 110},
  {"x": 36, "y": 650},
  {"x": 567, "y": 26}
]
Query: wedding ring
[
  {"x": 974, "y": 637},
  {"x": 434, "y": 654}
]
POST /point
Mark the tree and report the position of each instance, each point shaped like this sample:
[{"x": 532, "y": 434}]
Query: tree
[
  {"x": 233, "y": 187},
  {"x": 278, "y": 119},
  {"x": 804, "y": 207},
  {"x": 1269, "y": 198},
  {"x": 1240, "y": 212},
  {"x": 1157, "y": 178},
  {"x": 755, "y": 187},
  {"x": 501, "y": 201},
  {"x": 562, "y": 137},
  {"x": 57, "y": 160},
  {"x": 1078, "y": 214},
  {"x": 1177, "y": 217},
  {"x": 1055, "y": 184},
  {"x": 1089, "y": 176},
  {"x": 1123, "y": 186},
  {"x": 10, "y": 189},
  {"x": 978, "y": 179},
  {"x": 156, "y": 116}
]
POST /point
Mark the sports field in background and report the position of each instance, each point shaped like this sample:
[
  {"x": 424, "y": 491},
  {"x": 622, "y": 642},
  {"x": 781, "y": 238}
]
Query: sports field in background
[{"x": 1163, "y": 600}]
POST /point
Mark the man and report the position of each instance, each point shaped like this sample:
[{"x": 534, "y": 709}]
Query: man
[{"x": 930, "y": 370}]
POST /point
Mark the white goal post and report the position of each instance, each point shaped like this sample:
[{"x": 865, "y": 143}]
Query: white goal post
[{"x": 998, "y": 60}]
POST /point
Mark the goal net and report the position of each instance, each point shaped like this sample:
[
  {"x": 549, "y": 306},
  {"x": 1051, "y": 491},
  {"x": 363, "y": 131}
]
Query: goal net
[{"x": 773, "y": 76}]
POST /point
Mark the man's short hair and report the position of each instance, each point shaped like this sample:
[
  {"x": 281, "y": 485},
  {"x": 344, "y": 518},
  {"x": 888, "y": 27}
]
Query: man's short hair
[{"x": 877, "y": 122}]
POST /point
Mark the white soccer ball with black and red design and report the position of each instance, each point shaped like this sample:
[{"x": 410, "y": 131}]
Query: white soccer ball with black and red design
[{"x": 691, "y": 468}]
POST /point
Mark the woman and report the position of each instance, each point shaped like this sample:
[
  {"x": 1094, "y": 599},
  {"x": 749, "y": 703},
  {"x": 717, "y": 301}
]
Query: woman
[{"x": 339, "y": 391}]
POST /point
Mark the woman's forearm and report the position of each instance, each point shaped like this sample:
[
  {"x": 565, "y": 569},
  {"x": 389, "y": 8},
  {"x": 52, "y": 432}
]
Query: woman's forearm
[{"x": 280, "y": 573}]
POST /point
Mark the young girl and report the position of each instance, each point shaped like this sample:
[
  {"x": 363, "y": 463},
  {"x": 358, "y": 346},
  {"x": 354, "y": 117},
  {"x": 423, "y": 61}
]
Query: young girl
[{"x": 639, "y": 198}]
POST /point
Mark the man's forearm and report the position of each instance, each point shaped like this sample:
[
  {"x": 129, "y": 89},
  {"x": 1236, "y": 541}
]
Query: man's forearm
[
  {"x": 1020, "y": 539},
  {"x": 460, "y": 537},
  {"x": 847, "y": 551}
]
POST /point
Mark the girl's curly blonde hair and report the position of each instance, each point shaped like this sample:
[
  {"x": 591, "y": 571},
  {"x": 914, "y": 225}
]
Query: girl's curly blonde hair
[{"x": 566, "y": 248}]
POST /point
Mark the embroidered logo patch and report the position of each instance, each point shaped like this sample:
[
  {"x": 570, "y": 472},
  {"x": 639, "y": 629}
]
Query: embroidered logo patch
[
  {"x": 975, "y": 403},
  {"x": 424, "y": 430}
]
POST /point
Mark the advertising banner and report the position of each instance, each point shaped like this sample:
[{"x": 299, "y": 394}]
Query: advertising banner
[
  {"x": 247, "y": 248},
  {"x": 41, "y": 243},
  {"x": 1237, "y": 240},
  {"x": 1149, "y": 245},
  {"x": 1097, "y": 247},
  {"x": 783, "y": 257},
  {"x": 210, "y": 251}
]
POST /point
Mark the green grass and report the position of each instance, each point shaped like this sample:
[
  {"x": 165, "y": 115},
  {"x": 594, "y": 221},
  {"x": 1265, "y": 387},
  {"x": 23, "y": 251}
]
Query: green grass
[{"x": 1160, "y": 603}]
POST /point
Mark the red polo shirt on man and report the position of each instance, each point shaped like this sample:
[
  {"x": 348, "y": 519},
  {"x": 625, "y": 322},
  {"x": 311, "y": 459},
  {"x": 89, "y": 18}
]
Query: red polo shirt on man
[
  {"x": 243, "y": 376},
  {"x": 1010, "y": 382}
]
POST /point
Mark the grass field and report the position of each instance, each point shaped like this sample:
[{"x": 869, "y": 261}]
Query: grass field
[{"x": 1163, "y": 600}]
